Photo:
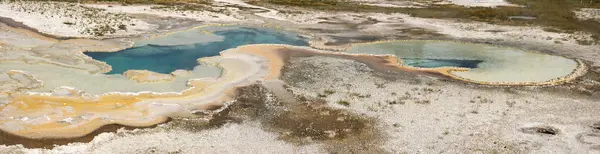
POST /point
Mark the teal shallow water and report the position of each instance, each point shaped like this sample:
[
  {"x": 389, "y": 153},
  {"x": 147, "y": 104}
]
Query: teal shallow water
[
  {"x": 488, "y": 63},
  {"x": 172, "y": 52},
  {"x": 434, "y": 63}
]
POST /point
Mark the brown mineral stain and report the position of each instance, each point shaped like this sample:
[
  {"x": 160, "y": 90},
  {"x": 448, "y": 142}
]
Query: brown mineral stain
[{"x": 48, "y": 143}]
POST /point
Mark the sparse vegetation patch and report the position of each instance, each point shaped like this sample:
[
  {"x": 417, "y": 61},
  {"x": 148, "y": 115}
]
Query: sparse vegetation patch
[{"x": 557, "y": 15}]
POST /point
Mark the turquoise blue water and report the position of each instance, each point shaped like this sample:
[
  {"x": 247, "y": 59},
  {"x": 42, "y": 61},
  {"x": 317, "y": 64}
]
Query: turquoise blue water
[
  {"x": 430, "y": 54},
  {"x": 166, "y": 59},
  {"x": 434, "y": 63}
]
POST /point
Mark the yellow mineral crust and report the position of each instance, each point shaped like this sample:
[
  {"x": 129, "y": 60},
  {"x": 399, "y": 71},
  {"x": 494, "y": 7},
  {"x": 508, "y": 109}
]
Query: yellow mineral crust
[
  {"x": 145, "y": 76},
  {"x": 76, "y": 116},
  {"x": 71, "y": 113}
]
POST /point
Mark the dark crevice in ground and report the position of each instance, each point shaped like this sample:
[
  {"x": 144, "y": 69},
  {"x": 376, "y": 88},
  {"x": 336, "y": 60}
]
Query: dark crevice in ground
[{"x": 546, "y": 130}]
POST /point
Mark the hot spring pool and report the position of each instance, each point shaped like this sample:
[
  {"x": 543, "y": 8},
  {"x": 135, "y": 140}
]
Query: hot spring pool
[
  {"x": 487, "y": 63},
  {"x": 182, "y": 49}
]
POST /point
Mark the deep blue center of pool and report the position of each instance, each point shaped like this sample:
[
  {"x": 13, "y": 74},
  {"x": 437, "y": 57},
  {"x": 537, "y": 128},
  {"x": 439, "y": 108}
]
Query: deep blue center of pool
[
  {"x": 433, "y": 63},
  {"x": 166, "y": 59}
]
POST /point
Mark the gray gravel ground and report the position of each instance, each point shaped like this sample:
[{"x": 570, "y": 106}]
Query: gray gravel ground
[{"x": 422, "y": 114}]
